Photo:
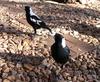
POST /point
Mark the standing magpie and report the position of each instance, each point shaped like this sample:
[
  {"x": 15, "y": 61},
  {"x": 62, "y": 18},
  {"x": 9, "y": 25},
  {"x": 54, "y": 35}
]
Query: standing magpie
[
  {"x": 34, "y": 20},
  {"x": 59, "y": 50}
]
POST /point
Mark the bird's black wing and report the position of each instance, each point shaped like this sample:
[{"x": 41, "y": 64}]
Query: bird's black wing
[
  {"x": 67, "y": 49},
  {"x": 37, "y": 20}
]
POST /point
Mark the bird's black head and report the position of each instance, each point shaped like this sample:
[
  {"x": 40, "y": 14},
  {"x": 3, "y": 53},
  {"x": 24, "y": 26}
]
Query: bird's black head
[
  {"x": 58, "y": 38},
  {"x": 27, "y": 8}
]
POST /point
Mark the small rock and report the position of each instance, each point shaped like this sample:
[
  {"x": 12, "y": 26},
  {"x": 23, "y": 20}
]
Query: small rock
[
  {"x": 6, "y": 80},
  {"x": 76, "y": 34},
  {"x": 2, "y": 62},
  {"x": 45, "y": 52},
  {"x": 93, "y": 63},
  {"x": 65, "y": 74},
  {"x": 11, "y": 50},
  {"x": 64, "y": 31},
  {"x": 7, "y": 70},
  {"x": 21, "y": 76},
  {"x": 11, "y": 65},
  {"x": 32, "y": 74},
  {"x": 0, "y": 80},
  {"x": 26, "y": 44},
  {"x": 57, "y": 29},
  {"x": 69, "y": 78},
  {"x": 98, "y": 26},
  {"x": 20, "y": 47},
  {"x": 74, "y": 79},
  {"x": 61, "y": 81},
  {"x": 89, "y": 77},
  {"x": 18, "y": 80},
  {"x": 11, "y": 78},
  {"x": 85, "y": 40},
  {"x": 5, "y": 75},
  {"x": 14, "y": 72},
  {"x": 18, "y": 65},
  {"x": 81, "y": 79},
  {"x": 28, "y": 66}
]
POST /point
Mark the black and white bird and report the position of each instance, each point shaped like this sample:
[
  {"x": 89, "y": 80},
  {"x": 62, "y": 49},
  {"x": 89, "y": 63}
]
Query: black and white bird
[
  {"x": 34, "y": 20},
  {"x": 59, "y": 50}
]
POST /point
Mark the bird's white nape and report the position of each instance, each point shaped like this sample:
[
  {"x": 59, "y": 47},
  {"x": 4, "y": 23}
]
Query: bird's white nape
[
  {"x": 31, "y": 12},
  {"x": 63, "y": 43}
]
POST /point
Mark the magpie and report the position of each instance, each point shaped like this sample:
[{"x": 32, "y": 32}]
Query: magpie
[
  {"x": 34, "y": 20},
  {"x": 59, "y": 50}
]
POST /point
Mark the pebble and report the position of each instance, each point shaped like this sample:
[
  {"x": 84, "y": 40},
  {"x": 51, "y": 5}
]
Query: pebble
[
  {"x": 80, "y": 78},
  {"x": 28, "y": 66},
  {"x": 18, "y": 80},
  {"x": 85, "y": 40},
  {"x": 74, "y": 78},
  {"x": 98, "y": 26},
  {"x": 11, "y": 78},
  {"x": 5, "y": 75},
  {"x": 69, "y": 78},
  {"x": 6, "y": 80},
  {"x": 7, "y": 70},
  {"x": 18, "y": 65},
  {"x": 0, "y": 80},
  {"x": 2, "y": 62},
  {"x": 14, "y": 72},
  {"x": 57, "y": 30},
  {"x": 64, "y": 31},
  {"x": 76, "y": 34}
]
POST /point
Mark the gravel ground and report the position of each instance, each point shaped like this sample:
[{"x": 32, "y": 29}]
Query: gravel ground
[{"x": 26, "y": 58}]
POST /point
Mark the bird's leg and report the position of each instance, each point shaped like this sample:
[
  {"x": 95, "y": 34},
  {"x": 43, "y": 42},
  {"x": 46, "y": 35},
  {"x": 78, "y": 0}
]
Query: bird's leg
[
  {"x": 62, "y": 66},
  {"x": 49, "y": 29},
  {"x": 34, "y": 31}
]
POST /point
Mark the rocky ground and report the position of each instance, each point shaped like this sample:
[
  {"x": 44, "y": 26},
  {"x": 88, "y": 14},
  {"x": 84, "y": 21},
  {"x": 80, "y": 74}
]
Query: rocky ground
[{"x": 26, "y": 58}]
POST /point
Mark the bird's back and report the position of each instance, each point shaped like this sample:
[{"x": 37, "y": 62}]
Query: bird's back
[{"x": 59, "y": 53}]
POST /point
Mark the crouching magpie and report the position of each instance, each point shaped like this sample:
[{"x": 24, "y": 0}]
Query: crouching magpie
[
  {"x": 34, "y": 20},
  {"x": 59, "y": 50}
]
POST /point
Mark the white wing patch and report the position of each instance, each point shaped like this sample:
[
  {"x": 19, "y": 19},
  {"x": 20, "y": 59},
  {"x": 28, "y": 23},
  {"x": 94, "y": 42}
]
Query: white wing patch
[
  {"x": 63, "y": 43},
  {"x": 32, "y": 19},
  {"x": 36, "y": 21}
]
